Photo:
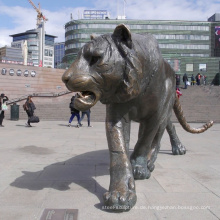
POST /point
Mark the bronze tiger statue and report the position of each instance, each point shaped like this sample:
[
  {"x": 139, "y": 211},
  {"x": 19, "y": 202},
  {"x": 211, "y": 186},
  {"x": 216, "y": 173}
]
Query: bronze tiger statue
[{"x": 127, "y": 72}]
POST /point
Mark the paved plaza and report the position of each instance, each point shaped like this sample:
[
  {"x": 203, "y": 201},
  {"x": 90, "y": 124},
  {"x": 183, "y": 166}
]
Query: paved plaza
[{"x": 52, "y": 166}]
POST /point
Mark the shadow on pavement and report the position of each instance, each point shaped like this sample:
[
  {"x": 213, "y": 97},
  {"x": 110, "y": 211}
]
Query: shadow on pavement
[
  {"x": 66, "y": 125},
  {"x": 169, "y": 152},
  {"x": 81, "y": 170}
]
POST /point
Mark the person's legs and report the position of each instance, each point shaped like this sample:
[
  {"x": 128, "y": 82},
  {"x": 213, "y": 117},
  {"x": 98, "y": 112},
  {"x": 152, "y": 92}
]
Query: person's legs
[
  {"x": 88, "y": 118},
  {"x": 28, "y": 122},
  {"x": 2, "y": 115},
  {"x": 78, "y": 119},
  {"x": 29, "y": 116},
  {"x": 71, "y": 118},
  {"x": 82, "y": 117}
]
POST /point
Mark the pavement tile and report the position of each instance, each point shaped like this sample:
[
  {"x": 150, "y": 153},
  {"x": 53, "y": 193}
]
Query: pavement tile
[
  {"x": 19, "y": 213},
  {"x": 53, "y": 166},
  {"x": 176, "y": 180}
]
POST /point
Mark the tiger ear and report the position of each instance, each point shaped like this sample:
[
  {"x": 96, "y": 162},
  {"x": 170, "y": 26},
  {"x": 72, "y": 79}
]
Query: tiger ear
[
  {"x": 92, "y": 37},
  {"x": 123, "y": 34}
]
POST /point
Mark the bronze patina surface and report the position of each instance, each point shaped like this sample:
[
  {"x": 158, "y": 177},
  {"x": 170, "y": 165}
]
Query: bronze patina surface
[{"x": 126, "y": 72}]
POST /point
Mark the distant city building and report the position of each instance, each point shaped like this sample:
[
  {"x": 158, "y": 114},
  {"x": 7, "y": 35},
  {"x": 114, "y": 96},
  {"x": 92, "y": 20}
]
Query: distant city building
[
  {"x": 40, "y": 47},
  {"x": 214, "y": 18},
  {"x": 59, "y": 51},
  {"x": 189, "y": 46},
  {"x": 13, "y": 55}
]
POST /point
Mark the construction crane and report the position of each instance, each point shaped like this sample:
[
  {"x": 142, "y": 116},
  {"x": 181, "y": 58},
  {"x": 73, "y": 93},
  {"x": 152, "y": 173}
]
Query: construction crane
[{"x": 40, "y": 16}]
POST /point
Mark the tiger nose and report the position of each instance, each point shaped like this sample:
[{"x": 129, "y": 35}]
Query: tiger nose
[{"x": 66, "y": 76}]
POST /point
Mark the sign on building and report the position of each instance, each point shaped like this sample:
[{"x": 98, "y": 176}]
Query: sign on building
[{"x": 95, "y": 14}]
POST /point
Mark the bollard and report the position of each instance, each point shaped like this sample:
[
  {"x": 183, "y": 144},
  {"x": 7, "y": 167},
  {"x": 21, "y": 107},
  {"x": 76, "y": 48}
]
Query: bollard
[{"x": 14, "y": 112}]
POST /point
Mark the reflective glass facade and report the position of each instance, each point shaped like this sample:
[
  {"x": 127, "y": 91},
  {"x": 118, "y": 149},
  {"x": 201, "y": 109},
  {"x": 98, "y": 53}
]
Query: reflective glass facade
[
  {"x": 33, "y": 44},
  {"x": 59, "y": 51},
  {"x": 181, "y": 42}
]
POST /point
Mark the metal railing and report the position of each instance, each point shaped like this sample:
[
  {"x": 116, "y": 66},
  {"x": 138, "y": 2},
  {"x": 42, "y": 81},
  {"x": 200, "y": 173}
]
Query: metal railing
[{"x": 45, "y": 94}]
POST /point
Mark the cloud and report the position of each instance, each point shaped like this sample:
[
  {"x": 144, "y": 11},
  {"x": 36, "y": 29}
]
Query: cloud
[
  {"x": 23, "y": 19},
  {"x": 57, "y": 20},
  {"x": 161, "y": 10}
]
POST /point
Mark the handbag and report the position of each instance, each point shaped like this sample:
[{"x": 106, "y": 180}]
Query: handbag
[
  {"x": 34, "y": 119},
  {"x": 4, "y": 107}
]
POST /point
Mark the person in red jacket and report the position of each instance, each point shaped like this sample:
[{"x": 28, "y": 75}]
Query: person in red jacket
[{"x": 178, "y": 93}]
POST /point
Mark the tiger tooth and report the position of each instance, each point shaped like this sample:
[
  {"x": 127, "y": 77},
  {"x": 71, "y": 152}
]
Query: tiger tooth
[{"x": 80, "y": 95}]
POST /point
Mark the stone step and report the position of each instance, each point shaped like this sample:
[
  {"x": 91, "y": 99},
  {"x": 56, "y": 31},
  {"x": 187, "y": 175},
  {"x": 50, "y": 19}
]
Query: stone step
[{"x": 199, "y": 104}]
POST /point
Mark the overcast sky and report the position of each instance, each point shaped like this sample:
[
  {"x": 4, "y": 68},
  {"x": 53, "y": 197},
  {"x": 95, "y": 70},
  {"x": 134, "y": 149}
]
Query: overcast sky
[{"x": 17, "y": 16}]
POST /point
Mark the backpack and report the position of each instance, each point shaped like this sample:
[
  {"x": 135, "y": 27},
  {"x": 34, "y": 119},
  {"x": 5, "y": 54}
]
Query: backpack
[
  {"x": 71, "y": 105},
  {"x": 25, "y": 107}
]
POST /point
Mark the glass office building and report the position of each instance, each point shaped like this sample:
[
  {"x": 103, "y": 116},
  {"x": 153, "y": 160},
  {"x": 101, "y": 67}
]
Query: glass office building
[
  {"x": 35, "y": 46},
  {"x": 59, "y": 51},
  {"x": 189, "y": 46}
]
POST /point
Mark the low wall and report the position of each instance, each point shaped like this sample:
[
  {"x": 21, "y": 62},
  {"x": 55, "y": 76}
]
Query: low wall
[
  {"x": 45, "y": 80},
  {"x": 199, "y": 103}
]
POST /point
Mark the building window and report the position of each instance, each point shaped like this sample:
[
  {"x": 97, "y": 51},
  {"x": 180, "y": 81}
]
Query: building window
[
  {"x": 175, "y": 64},
  {"x": 202, "y": 67},
  {"x": 46, "y": 52},
  {"x": 50, "y": 53},
  {"x": 189, "y": 67},
  {"x": 142, "y": 26},
  {"x": 184, "y": 46},
  {"x": 193, "y": 55},
  {"x": 180, "y": 37}
]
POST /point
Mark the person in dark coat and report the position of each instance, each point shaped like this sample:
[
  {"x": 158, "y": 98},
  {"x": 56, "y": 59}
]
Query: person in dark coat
[
  {"x": 198, "y": 79},
  {"x": 177, "y": 81},
  {"x": 74, "y": 112},
  {"x": 3, "y": 99},
  {"x": 29, "y": 107},
  {"x": 192, "y": 80},
  {"x": 185, "y": 80}
]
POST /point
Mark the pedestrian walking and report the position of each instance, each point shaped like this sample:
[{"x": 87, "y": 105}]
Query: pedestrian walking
[
  {"x": 177, "y": 81},
  {"x": 192, "y": 80},
  {"x": 74, "y": 112},
  {"x": 198, "y": 79},
  {"x": 185, "y": 80},
  {"x": 87, "y": 113},
  {"x": 29, "y": 107},
  {"x": 179, "y": 93},
  {"x": 204, "y": 79},
  {"x": 3, "y": 107}
]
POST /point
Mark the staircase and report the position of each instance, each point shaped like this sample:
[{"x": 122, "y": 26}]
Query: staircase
[
  {"x": 60, "y": 111},
  {"x": 199, "y": 103},
  {"x": 53, "y": 106}
]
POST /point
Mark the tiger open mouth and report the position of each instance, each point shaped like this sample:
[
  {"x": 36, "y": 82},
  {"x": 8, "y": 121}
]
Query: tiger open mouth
[
  {"x": 84, "y": 100},
  {"x": 86, "y": 97}
]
